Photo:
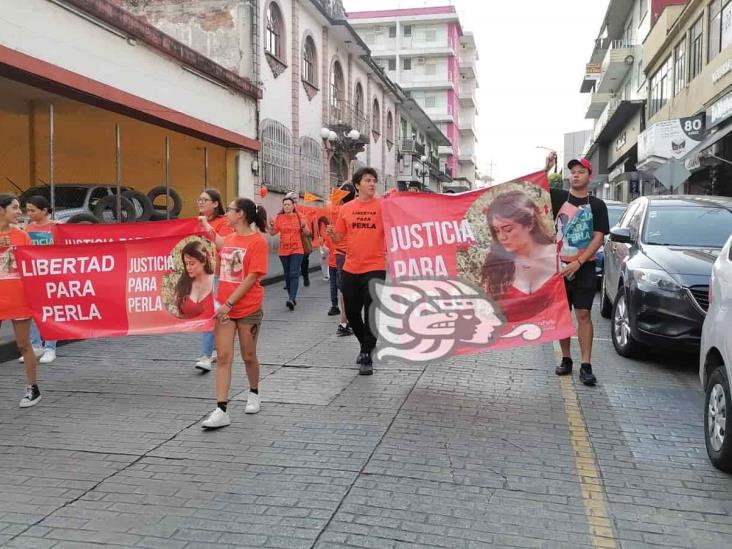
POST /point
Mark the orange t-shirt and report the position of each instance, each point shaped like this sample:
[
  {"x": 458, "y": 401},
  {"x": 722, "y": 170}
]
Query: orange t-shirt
[
  {"x": 342, "y": 246},
  {"x": 362, "y": 223},
  {"x": 222, "y": 228},
  {"x": 240, "y": 256},
  {"x": 328, "y": 241},
  {"x": 288, "y": 226},
  {"x": 13, "y": 305}
]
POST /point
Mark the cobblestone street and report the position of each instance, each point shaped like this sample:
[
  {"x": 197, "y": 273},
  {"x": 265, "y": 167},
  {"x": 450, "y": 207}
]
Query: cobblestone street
[{"x": 484, "y": 451}]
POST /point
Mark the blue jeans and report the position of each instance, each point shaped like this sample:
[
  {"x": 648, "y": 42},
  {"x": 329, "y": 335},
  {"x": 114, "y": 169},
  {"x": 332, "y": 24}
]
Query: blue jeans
[
  {"x": 37, "y": 341},
  {"x": 291, "y": 266},
  {"x": 207, "y": 338}
]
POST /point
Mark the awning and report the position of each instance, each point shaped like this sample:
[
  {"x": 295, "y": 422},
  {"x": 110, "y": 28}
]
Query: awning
[{"x": 692, "y": 160}]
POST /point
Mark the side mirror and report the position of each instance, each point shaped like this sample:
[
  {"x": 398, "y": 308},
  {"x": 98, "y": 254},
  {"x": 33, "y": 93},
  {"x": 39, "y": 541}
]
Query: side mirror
[{"x": 621, "y": 235}]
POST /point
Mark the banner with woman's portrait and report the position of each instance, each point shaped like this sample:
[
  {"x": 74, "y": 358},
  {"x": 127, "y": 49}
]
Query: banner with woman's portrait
[
  {"x": 470, "y": 272},
  {"x": 134, "y": 287}
]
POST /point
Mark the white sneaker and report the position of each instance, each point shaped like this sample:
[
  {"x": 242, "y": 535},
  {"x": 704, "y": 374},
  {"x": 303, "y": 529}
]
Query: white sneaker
[
  {"x": 38, "y": 351},
  {"x": 31, "y": 398},
  {"x": 204, "y": 364},
  {"x": 214, "y": 357},
  {"x": 217, "y": 418},
  {"x": 252, "y": 403},
  {"x": 49, "y": 355}
]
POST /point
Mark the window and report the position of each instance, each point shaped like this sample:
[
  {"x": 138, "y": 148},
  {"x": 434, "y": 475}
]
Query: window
[
  {"x": 407, "y": 64},
  {"x": 392, "y": 64},
  {"x": 429, "y": 101},
  {"x": 695, "y": 51},
  {"x": 392, "y": 31},
  {"x": 389, "y": 129},
  {"x": 643, "y": 10},
  {"x": 407, "y": 30},
  {"x": 337, "y": 92},
  {"x": 275, "y": 34},
  {"x": 311, "y": 165},
  {"x": 276, "y": 155},
  {"x": 403, "y": 124},
  {"x": 430, "y": 35},
  {"x": 309, "y": 62},
  {"x": 358, "y": 101},
  {"x": 376, "y": 120},
  {"x": 680, "y": 67},
  {"x": 660, "y": 87},
  {"x": 720, "y": 26},
  {"x": 697, "y": 226}
]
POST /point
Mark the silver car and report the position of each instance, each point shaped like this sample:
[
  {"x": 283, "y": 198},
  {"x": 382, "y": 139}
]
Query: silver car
[{"x": 715, "y": 366}]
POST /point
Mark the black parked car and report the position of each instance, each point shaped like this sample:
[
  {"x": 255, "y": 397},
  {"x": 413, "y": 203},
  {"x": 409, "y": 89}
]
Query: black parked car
[{"x": 658, "y": 263}]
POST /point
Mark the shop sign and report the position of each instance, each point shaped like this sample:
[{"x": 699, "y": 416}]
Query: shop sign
[
  {"x": 722, "y": 71},
  {"x": 719, "y": 110},
  {"x": 671, "y": 138}
]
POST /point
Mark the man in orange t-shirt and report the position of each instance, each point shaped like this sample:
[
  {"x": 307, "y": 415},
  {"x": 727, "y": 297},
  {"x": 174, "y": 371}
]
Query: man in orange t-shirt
[{"x": 360, "y": 222}]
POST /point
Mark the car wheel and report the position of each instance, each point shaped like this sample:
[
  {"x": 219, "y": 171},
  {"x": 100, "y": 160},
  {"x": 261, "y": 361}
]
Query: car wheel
[
  {"x": 623, "y": 340},
  {"x": 718, "y": 405},
  {"x": 106, "y": 210},
  {"x": 175, "y": 208},
  {"x": 606, "y": 308},
  {"x": 142, "y": 204},
  {"x": 87, "y": 218}
]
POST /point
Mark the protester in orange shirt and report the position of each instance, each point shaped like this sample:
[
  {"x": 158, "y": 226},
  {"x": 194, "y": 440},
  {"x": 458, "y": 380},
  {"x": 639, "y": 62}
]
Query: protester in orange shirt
[
  {"x": 290, "y": 225},
  {"x": 244, "y": 263},
  {"x": 361, "y": 223},
  {"x": 340, "y": 258},
  {"x": 210, "y": 206},
  {"x": 13, "y": 305}
]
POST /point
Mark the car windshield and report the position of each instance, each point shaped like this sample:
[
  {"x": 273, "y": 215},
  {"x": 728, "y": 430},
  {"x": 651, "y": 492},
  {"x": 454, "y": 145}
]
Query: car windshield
[
  {"x": 696, "y": 226},
  {"x": 64, "y": 197},
  {"x": 614, "y": 213}
]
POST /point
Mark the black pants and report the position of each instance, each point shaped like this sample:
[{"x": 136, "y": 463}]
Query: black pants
[
  {"x": 357, "y": 300},
  {"x": 305, "y": 268}
]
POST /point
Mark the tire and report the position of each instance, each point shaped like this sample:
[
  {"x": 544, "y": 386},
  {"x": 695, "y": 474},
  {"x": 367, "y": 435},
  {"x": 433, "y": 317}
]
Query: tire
[
  {"x": 142, "y": 204},
  {"x": 83, "y": 218},
  {"x": 717, "y": 406},
  {"x": 606, "y": 308},
  {"x": 623, "y": 340},
  {"x": 159, "y": 215},
  {"x": 106, "y": 210},
  {"x": 174, "y": 196}
]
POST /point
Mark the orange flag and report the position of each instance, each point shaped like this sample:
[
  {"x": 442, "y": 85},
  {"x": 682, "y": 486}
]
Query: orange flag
[
  {"x": 336, "y": 195},
  {"x": 310, "y": 197}
]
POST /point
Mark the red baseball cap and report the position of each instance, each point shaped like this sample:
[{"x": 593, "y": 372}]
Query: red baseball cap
[{"x": 580, "y": 162}]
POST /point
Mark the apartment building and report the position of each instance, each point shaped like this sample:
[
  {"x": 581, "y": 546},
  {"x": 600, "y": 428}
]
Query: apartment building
[
  {"x": 616, "y": 88},
  {"x": 688, "y": 63},
  {"x": 427, "y": 53}
]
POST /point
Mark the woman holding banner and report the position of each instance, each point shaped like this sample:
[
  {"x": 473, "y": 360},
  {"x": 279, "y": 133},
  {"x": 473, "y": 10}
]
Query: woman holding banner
[
  {"x": 244, "y": 263},
  {"x": 523, "y": 255},
  {"x": 13, "y": 305},
  {"x": 211, "y": 207},
  {"x": 290, "y": 226},
  {"x": 40, "y": 230}
]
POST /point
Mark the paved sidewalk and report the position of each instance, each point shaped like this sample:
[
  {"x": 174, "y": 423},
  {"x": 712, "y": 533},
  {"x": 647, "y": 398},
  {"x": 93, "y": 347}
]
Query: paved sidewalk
[{"x": 483, "y": 451}]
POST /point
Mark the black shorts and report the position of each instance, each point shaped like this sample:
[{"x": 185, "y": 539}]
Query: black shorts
[{"x": 582, "y": 288}]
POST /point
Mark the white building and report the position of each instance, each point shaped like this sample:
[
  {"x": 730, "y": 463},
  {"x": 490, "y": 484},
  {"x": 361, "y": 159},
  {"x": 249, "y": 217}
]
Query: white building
[{"x": 427, "y": 53}]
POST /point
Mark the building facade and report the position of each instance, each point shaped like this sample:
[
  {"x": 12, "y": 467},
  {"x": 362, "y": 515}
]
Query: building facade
[
  {"x": 427, "y": 53},
  {"x": 90, "y": 95}
]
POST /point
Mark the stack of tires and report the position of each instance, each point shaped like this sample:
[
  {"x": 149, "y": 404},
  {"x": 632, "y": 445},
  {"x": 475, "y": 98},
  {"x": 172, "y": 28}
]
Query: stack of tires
[{"x": 136, "y": 206}]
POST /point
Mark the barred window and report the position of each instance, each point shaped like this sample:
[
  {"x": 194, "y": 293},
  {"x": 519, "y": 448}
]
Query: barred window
[
  {"x": 389, "y": 127},
  {"x": 376, "y": 120},
  {"x": 276, "y": 156},
  {"x": 275, "y": 32},
  {"x": 337, "y": 88},
  {"x": 309, "y": 62},
  {"x": 311, "y": 166},
  {"x": 359, "y": 102}
]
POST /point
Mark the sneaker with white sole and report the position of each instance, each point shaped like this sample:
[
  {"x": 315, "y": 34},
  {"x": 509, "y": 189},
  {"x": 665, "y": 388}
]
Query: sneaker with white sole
[
  {"x": 31, "y": 398},
  {"x": 49, "y": 355},
  {"x": 204, "y": 364},
  {"x": 253, "y": 403},
  {"x": 38, "y": 351},
  {"x": 214, "y": 357},
  {"x": 216, "y": 419}
]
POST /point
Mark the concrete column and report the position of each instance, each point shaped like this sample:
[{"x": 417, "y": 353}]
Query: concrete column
[
  {"x": 325, "y": 94},
  {"x": 295, "y": 66}
]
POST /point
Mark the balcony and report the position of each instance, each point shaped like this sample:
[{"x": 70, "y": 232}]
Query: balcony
[
  {"x": 344, "y": 117},
  {"x": 468, "y": 60},
  {"x": 411, "y": 146},
  {"x": 467, "y": 96},
  {"x": 618, "y": 60},
  {"x": 445, "y": 150},
  {"x": 334, "y": 8},
  {"x": 597, "y": 103},
  {"x": 468, "y": 157},
  {"x": 466, "y": 126},
  {"x": 613, "y": 119}
]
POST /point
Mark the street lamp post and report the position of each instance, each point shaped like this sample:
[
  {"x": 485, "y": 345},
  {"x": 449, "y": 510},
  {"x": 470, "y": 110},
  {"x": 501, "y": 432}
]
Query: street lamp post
[
  {"x": 338, "y": 144},
  {"x": 423, "y": 158}
]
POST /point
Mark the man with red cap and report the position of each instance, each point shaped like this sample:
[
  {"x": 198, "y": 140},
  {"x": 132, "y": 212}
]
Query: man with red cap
[{"x": 582, "y": 223}]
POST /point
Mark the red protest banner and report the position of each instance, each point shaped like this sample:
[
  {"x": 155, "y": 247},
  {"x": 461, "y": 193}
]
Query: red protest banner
[
  {"x": 496, "y": 250},
  {"x": 72, "y": 233},
  {"x": 151, "y": 286}
]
